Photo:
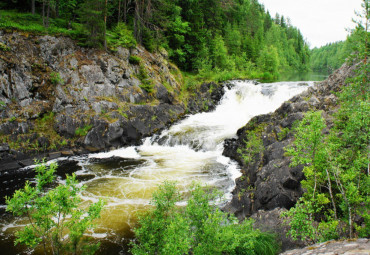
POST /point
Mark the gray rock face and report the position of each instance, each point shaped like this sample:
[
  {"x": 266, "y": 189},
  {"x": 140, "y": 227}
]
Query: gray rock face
[
  {"x": 267, "y": 181},
  {"x": 83, "y": 88}
]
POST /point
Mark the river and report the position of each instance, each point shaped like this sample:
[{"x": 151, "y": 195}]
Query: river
[{"x": 190, "y": 150}]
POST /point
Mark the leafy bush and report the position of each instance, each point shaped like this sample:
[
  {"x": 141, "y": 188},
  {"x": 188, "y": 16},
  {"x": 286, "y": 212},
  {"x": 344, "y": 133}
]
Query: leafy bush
[
  {"x": 135, "y": 60},
  {"x": 56, "y": 79},
  {"x": 82, "y": 131},
  {"x": 56, "y": 220},
  {"x": 146, "y": 83},
  {"x": 197, "y": 228},
  {"x": 253, "y": 146},
  {"x": 120, "y": 36}
]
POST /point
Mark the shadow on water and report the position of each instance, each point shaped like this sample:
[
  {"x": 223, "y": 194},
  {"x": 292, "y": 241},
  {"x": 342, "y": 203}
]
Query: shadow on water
[{"x": 303, "y": 76}]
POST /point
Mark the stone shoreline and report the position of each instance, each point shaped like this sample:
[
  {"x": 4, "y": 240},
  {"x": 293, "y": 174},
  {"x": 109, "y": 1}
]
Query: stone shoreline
[{"x": 345, "y": 247}]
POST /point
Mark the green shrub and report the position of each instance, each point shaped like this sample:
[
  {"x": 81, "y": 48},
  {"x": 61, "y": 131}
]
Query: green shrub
[
  {"x": 4, "y": 47},
  {"x": 146, "y": 83},
  {"x": 253, "y": 146},
  {"x": 2, "y": 105},
  {"x": 54, "y": 215},
  {"x": 135, "y": 60},
  {"x": 82, "y": 131},
  {"x": 197, "y": 228},
  {"x": 120, "y": 36},
  {"x": 56, "y": 79}
]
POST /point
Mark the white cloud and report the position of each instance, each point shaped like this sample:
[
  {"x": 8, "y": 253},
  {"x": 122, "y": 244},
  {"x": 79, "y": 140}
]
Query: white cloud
[{"x": 320, "y": 21}]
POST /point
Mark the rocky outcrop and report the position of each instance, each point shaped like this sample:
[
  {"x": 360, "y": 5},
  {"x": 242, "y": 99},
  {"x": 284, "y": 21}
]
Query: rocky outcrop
[
  {"x": 57, "y": 96},
  {"x": 267, "y": 181},
  {"x": 346, "y": 247}
]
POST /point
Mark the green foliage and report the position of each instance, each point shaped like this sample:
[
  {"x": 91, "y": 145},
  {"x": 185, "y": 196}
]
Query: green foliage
[
  {"x": 82, "y": 131},
  {"x": 55, "y": 220},
  {"x": 3, "y": 47},
  {"x": 146, "y": 83},
  {"x": 56, "y": 79},
  {"x": 203, "y": 36},
  {"x": 91, "y": 14},
  {"x": 135, "y": 60},
  {"x": 336, "y": 163},
  {"x": 11, "y": 19},
  {"x": 253, "y": 146},
  {"x": 13, "y": 118},
  {"x": 2, "y": 105},
  {"x": 197, "y": 228},
  {"x": 121, "y": 36},
  {"x": 283, "y": 134},
  {"x": 330, "y": 57}
]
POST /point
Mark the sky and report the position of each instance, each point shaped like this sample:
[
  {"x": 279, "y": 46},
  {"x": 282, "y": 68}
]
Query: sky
[{"x": 320, "y": 21}]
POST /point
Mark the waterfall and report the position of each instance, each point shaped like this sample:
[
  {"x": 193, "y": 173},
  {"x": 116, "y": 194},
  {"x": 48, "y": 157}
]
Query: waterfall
[{"x": 190, "y": 150}]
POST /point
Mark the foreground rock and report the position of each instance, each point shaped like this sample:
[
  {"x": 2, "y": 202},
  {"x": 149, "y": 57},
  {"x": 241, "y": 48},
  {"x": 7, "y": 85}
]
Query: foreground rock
[
  {"x": 58, "y": 97},
  {"x": 346, "y": 247},
  {"x": 267, "y": 181}
]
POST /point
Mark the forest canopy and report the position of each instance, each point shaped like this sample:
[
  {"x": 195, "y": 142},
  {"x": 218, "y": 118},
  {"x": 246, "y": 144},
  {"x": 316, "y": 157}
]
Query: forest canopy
[{"x": 199, "y": 35}]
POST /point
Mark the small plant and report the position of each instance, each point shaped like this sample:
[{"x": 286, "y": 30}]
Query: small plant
[
  {"x": 146, "y": 82},
  {"x": 83, "y": 131},
  {"x": 253, "y": 145},
  {"x": 4, "y": 47},
  {"x": 56, "y": 79},
  {"x": 2, "y": 105},
  {"x": 57, "y": 223},
  {"x": 13, "y": 118},
  {"x": 64, "y": 142},
  {"x": 283, "y": 134},
  {"x": 120, "y": 36},
  {"x": 135, "y": 60}
]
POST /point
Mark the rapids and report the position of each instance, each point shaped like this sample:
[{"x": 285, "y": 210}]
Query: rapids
[{"x": 190, "y": 150}]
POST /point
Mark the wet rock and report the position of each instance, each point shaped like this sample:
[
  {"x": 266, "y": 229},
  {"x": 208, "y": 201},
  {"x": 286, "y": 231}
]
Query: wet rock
[
  {"x": 94, "y": 140},
  {"x": 268, "y": 181}
]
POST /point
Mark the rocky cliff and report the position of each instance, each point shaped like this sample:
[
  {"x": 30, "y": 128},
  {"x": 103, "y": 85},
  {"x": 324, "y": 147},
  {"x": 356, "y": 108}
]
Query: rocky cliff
[
  {"x": 268, "y": 184},
  {"x": 57, "y": 98}
]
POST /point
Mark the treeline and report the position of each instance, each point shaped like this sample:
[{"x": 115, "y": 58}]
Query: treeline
[
  {"x": 330, "y": 57},
  {"x": 200, "y": 35}
]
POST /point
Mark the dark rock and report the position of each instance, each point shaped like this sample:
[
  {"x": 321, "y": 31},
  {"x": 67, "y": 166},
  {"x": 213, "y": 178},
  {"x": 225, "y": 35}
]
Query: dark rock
[
  {"x": 67, "y": 153},
  {"x": 94, "y": 140},
  {"x": 27, "y": 162},
  {"x": 54, "y": 155},
  {"x": 9, "y": 166},
  {"x": 43, "y": 142},
  {"x": 4, "y": 148},
  {"x": 268, "y": 181},
  {"x": 270, "y": 221}
]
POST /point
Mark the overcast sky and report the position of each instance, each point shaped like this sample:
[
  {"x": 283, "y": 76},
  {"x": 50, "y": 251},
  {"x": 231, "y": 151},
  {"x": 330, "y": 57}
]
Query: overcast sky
[{"x": 320, "y": 21}]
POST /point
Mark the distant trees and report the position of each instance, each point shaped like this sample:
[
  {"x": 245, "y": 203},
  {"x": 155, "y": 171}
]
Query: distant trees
[
  {"x": 330, "y": 57},
  {"x": 198, "y": 34}
]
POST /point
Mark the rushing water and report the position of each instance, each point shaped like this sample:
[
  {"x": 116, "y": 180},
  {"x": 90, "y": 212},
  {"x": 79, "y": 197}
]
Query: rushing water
[{"x": 189, "y": 151}]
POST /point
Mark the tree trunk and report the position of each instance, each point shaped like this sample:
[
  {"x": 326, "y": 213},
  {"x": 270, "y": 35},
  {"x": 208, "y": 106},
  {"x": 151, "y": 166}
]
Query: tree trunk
[
  {"x": 57, "y": 8},
  {"x": 331, "y": 194},
  {"x": 105, "y": 23},
  {"x": 124, "y": 10},
  {"x": 48, "y": 15},
  {"x": 119, "y": 11},
  {"x": 33, "y": 6},
  {"x": 43, "y": 13}
]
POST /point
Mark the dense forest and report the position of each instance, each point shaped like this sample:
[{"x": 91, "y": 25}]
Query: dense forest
[
  {"x": 233, "y": 35},
  {"x": 330, "y": 57}
]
